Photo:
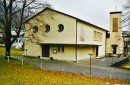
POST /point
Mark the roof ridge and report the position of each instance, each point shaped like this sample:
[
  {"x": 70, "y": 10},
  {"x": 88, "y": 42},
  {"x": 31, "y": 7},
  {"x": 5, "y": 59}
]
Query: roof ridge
[{"x": 66, "y": 15}]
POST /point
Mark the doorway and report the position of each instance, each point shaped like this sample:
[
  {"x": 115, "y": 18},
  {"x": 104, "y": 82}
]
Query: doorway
[
  {"x": 114, "y": 49},
  {"x": 96, "y": 51},
  {"x": 45, "y": 50}
]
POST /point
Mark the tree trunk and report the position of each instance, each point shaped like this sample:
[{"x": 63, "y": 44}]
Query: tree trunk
[
  {"x": 7, "y": 53},
  {"x": 8, "y": 43},
  {"x": 8, "y": 47}
]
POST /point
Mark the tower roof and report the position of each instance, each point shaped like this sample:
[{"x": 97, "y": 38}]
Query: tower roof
[{"x": 116, "y": 12}]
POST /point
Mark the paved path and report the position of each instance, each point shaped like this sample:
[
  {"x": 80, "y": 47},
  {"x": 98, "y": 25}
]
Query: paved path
[{"x": 98, "y": 68}]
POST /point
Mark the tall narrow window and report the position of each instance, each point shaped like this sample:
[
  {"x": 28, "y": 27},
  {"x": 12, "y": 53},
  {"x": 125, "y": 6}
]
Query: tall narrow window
[
  {"x": 100, "y": 36},
  {"x": 60, "y": 48},
  {"x": 82, "y": 35},
  {"x": 95, "y": 36},
  {"x": 115, "y": 25}
]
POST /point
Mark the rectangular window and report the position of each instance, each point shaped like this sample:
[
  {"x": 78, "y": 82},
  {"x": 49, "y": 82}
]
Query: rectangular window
[
  {"x": 94, "y": 35},
  {"x": 97, "y": 36},
  {"x": 115, "y": 25},
  {"x": 82, "y": 35},
  {"x": 100, "y": 36},
  {"x": 60, "y": 48}
]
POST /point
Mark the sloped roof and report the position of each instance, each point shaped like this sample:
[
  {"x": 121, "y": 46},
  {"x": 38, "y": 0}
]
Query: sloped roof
[{"x": 80, "y": 20}]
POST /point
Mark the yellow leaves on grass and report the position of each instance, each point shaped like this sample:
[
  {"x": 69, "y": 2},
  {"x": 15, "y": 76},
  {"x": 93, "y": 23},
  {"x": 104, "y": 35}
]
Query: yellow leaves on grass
[{"x": 13, "y": 73}]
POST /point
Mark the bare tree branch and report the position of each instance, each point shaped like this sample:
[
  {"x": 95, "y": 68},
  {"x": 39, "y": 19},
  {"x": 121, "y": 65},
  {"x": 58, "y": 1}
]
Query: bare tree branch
[
  {"x": 1, "y": 27},
  {"x": 1, "y": 7},
  {"x": 14, "y": 12},
  {"x": 2, "y": 21},
  {"x": 126, "y": 16},
  {"x": 21, "y": 21}
]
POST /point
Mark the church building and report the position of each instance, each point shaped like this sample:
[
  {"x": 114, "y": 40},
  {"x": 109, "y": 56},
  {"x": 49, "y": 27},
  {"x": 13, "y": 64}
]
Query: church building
[{"x": 57, "y": 35}]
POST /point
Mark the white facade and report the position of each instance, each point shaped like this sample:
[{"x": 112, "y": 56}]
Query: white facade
[{"x": 18, "y": 43}]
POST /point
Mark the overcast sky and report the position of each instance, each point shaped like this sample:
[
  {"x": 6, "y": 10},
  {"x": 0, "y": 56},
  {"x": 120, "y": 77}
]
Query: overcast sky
[{"x": 93, "y": 11}]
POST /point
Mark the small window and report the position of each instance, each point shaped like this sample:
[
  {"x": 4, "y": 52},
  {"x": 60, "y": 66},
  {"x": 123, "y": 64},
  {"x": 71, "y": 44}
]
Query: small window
[
  {"x": 47, "y": 28},
  {"x": 97, "y": 36},
  {"x": 60, "y": 48},
  {"x": 61, "y": 28},
  {"x": 19, "y": 40},
  {"x": 35, "y": 29},
  {"x": 16, "y": 41}
]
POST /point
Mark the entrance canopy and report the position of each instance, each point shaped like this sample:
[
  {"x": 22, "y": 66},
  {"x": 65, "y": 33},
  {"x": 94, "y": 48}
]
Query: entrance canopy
[
  {"x": 114, "y": 45},
  {"x": 69, "y": 44}
]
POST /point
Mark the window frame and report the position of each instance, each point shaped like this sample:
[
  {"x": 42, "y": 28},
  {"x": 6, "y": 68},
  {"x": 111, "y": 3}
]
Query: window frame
[
  {"x": 35, "y": 29},
  {"x": 47, "y": 28},
  {"x": 60, "y": 28}
]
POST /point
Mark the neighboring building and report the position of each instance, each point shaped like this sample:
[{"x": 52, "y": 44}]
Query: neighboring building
[
  {"x": 126, "y": 39},
  {"x": 19, "y": 41},
  {"x": 1, "y": 39},
  {"x": 114, "y": 43},
  {"x": 66, "y": 37}
]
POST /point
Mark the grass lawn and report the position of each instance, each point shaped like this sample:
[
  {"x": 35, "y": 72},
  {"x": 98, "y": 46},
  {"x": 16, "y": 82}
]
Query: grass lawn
[
  {"x": 126, "y": 65},
  {"x": 14, "y": 52},
  {"x": 13, "y": 73}
]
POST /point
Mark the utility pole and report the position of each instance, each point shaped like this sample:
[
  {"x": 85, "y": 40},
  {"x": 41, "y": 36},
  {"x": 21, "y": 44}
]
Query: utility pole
[{"x": 90, "y": 61}]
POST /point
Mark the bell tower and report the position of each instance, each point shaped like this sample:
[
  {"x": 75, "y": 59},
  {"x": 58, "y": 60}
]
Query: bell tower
[{"x": 115, "y": 41}]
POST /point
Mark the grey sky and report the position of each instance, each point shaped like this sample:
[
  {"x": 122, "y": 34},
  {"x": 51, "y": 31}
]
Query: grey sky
[{"x": 93, "y": 11}]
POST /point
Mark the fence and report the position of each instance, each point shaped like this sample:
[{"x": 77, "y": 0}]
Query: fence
[{"x": 74, "y": 68}]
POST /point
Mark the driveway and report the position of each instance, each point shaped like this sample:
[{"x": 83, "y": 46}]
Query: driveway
[{"x": 99, "y": 67}]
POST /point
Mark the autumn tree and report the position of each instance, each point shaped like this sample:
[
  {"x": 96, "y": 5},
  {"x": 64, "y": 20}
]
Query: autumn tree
[{"x": 12, "y": 15}]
